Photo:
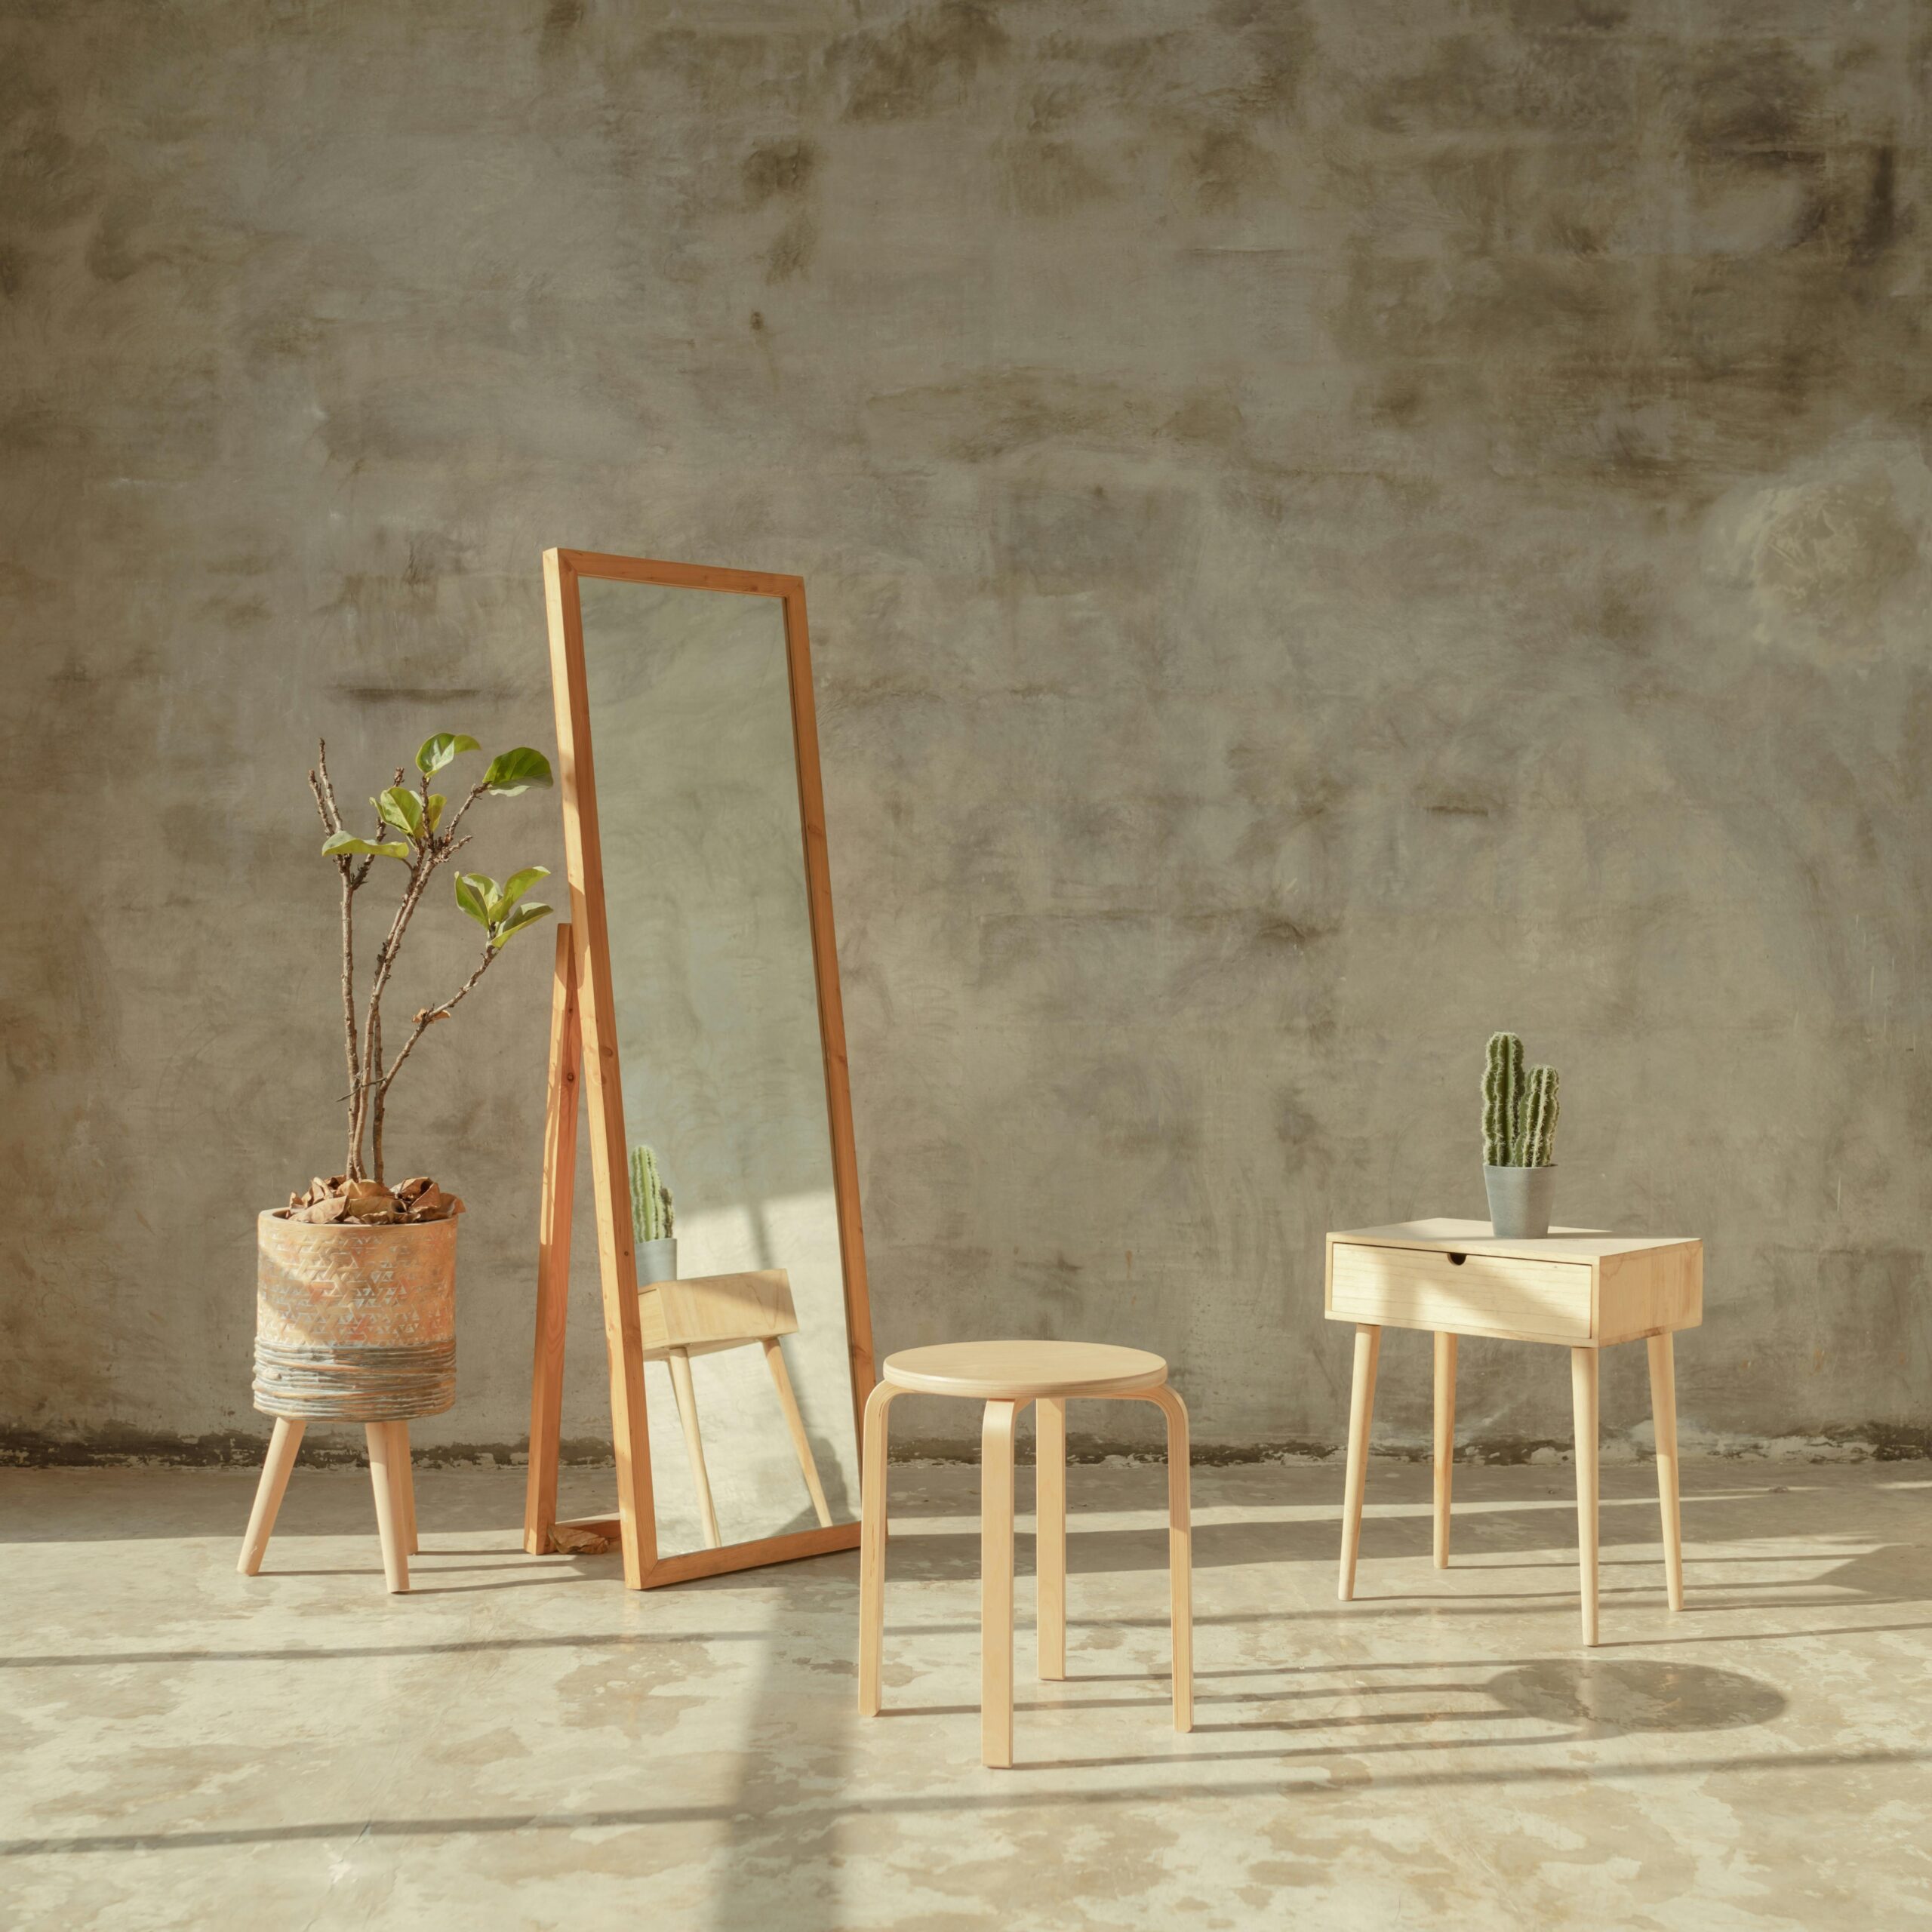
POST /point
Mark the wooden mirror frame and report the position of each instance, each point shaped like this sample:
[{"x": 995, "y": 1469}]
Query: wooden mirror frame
[{"x": 583, "y": 998}]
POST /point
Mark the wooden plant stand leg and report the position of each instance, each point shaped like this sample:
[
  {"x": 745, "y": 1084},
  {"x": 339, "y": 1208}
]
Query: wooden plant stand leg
[
  {"x": 286, "y": 1440},
  {"x": 1362, "y": 1410},
  {"x": 1180, "y": 1552},
  {"x": 1583, "y": 1397},
  {"x": 1663, "y": 1413},
  {"x": 1445, "y": 1441},
  {"x": 685, "y": 1394},
  {"x": 388, "y": 1527},
  {"x": 872, "y": 1547},
  {"x": 774, "y": 1360},
  {"x": 996, "y": 1584},
  {"x": 1049, "y": 1531},
  {"x": 404, "y": 1465}
]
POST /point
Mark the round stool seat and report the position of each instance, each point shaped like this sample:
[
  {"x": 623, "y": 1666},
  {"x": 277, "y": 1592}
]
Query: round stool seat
[{"x": 1024, "y": 1371}]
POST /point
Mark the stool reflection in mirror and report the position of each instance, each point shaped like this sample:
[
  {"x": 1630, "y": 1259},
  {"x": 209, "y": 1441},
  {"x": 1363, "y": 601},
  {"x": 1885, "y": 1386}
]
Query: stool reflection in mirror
[{"x": 680, "y": 1319}]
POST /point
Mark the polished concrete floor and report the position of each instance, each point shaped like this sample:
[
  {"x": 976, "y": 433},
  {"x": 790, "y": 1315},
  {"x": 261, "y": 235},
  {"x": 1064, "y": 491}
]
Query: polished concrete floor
[{"x": 523, "y": 1743}]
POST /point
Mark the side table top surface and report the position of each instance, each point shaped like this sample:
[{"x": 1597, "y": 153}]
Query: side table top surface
[{"x": 1443, "y": 1236}]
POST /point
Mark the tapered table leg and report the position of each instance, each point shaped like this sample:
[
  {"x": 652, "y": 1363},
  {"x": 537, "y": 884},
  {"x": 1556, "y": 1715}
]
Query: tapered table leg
[
  {"x": 684, "y": 1393},
  {"x": 996, "y": 1584},
  {"x": 795, "y": 1423},
  {"x": 1445, "y": 1441},
  {"x": 1050, "y": 1532},
  {"x": 1663, "y": 1413},
  {"x": 1361, "y": 1409},
  {"x": 286, "y": 1440},
  {"x": 1583, "y": 1398}
]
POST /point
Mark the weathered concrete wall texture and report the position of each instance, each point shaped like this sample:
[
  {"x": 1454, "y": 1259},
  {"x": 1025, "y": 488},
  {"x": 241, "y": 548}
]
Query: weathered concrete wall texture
[{"x": 1330, "y": 529}]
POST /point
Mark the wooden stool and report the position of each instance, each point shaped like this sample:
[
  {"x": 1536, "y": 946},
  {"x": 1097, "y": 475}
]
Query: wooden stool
[
  {"x": 1006, "y": 1376},
  {"x": 1574, "y": 1288}
]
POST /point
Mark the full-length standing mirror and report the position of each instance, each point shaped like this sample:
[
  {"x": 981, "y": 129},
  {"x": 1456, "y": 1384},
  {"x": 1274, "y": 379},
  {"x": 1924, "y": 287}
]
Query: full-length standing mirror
[{"x": 700, "y": 973}]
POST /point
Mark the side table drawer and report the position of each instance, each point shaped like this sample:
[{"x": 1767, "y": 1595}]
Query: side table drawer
[{"x": 1478, "y": 1294}]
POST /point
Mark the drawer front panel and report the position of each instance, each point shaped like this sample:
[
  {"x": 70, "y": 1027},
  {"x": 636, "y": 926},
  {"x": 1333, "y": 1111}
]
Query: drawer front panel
[{"x": 1483, "y": 1294}]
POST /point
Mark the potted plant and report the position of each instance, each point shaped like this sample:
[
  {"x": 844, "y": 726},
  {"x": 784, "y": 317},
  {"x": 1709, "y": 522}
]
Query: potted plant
[
  {"x": 356, "y": 1306},
  {"x": 1519, "y": 1110},
  {"x": 652, "y": 1223}
]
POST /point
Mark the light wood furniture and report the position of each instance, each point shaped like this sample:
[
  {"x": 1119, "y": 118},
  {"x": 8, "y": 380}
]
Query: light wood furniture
[
  {"x": 1576, "y": 1288},
  {"x": 583, "y": 1035},
  {"x": 705, "y": 1313},
  {"x": 1007, "y": 1375},
  {"x": 390, "y": 1475}
]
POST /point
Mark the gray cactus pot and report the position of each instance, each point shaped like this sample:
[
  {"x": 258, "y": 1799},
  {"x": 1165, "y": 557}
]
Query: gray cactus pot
[
  {"x": 1520, "y": 1199},
  {"x": 657, "y": 1261}
]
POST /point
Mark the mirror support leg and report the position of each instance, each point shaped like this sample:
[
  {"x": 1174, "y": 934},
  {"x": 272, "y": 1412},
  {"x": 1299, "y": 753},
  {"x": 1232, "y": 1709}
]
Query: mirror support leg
[
  {"x": 774, "y": 1360},
  {"x": 553, "y": 1250}
]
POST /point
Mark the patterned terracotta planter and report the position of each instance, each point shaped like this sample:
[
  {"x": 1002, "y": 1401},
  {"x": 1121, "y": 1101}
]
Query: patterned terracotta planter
[{"x": 355, "y": 1324}]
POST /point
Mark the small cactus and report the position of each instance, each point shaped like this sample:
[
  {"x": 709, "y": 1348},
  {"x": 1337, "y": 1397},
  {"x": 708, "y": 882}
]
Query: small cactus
[
  {"x": 1519, "y": 1108},
  {"x": 1502, "y": 1098},
  {"x": 651, "y": 1216},
  {"x": 1536, "y": 1145}
]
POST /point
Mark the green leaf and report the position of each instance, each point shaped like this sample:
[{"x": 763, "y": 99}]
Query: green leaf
[
  {"x": 436, "y": 801},
  {"x": 400, "y": 807},
  {"x": 341, "y": 845},
  {"x": 512, "y": 772},
  {"x": 518, "y": 884},
  {"x": 437, "y": 751},
  {"x": 471, "y": 899},
  {"x": 524, "y": 915}
]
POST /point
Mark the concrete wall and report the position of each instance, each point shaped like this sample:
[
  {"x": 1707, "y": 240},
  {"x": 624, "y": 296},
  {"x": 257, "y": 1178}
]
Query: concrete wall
[{"x": 1330, "y": 529}]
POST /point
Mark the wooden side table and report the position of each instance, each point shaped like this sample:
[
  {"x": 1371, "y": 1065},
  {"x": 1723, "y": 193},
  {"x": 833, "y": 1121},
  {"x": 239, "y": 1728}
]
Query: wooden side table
[{"x": 1578, "y": 1288}]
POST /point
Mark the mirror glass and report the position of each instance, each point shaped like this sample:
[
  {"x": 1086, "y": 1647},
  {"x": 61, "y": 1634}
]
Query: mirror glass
[{"x": 748, "y": 1384}]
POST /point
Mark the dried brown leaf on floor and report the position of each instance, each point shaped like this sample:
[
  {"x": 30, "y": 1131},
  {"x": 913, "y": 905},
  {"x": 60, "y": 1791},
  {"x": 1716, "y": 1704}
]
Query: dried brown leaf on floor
[{"x": 569, "y": 1542}]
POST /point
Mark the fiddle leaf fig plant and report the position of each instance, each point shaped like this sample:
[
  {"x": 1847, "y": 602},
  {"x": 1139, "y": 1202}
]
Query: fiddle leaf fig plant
[{"x": 416, "y": 828}]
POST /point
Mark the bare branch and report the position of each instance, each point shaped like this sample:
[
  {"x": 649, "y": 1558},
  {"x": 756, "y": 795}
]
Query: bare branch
[
  {"x": 475, "y": 793},
  {"x": 329, "y": 825},
  {"x": 429, "y": 1015},
  {"x": 332, "y": 818}
]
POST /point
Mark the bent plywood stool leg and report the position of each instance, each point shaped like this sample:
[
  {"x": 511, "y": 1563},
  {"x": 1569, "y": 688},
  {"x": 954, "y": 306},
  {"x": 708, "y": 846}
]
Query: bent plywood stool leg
[
  {"x": 801, "y": 1447},
  {"x": 1049, "y": 1531},
  {"x": 1180, "y": 1550},
  {"x": 1361, "y": 1411},
  {"x": 282, "y": 1446},
  {"x": 685, "y": 1395},
  {"x": 1445, "y": 1441},
  {"x": 1663, "y": 1415},
  {"x": 871, "y": 1547},
  {"x": 388, "y": 1514},
  {"x": 996, "y": 1583}
]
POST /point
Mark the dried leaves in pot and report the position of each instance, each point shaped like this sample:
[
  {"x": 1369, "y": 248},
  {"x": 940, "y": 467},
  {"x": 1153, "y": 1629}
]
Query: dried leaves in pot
[{"x": 356, "y": 1201}]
